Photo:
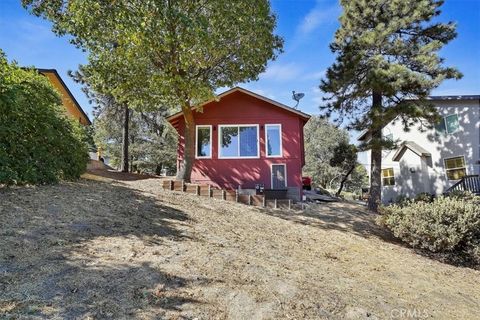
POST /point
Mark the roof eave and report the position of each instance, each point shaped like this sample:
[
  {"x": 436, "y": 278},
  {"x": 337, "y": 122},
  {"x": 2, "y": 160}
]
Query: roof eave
[
  {"x": 54, "y": 71},
  {"x": 419, "y": 151},
  {"x": 302, "y": 115}
]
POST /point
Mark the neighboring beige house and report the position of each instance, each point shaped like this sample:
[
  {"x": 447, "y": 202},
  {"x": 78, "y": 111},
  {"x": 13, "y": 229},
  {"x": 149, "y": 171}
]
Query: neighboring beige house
[
  {"x": 434, "y": 160},
  {"x": 72, "y": 107}
]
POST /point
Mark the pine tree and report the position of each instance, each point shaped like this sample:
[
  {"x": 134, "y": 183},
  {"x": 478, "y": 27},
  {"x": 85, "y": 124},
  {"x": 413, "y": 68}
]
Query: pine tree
[
  {"x": 386, "y": 65},
  {"x": 105, "y": 103}
]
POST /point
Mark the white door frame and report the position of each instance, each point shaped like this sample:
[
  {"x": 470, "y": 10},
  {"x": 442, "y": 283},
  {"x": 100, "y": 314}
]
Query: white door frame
[{"x": 271, "y": 173}]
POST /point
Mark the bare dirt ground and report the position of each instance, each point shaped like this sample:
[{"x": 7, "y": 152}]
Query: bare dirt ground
[{"x": 118, "y": 247}]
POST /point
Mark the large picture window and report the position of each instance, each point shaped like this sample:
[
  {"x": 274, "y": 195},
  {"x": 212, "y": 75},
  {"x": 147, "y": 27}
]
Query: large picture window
[
  {"x": 388, "y": 178},
  {"x": 273, "y": 133},
  {"x": 204, "y": 142},
  {"x": 455, "y": 168},
  {"x": 238, "y": 141}
]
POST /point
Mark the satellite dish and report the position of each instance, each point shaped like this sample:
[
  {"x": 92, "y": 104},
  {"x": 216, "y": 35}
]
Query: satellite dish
[{"x": 297, "y": 97}]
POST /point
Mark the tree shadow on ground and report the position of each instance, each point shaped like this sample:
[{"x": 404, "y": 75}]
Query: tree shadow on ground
[
  {"x": 353, "y": 219},
  {"x": 340, "y": 216},
  {"x": 120, "y": 176},
  {"x": 74, "y": 250}
]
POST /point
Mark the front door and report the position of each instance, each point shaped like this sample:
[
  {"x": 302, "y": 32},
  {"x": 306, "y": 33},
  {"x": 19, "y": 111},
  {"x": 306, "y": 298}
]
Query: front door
[{"x": 279, "y": 176}]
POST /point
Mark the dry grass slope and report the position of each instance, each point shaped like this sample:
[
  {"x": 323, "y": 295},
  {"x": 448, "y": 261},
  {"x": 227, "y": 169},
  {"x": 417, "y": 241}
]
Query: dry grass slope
[{"x": 123, "y": 248}]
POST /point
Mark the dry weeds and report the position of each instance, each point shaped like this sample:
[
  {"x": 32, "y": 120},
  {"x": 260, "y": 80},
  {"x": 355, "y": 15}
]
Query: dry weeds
[{"x": 126, "y": 249}]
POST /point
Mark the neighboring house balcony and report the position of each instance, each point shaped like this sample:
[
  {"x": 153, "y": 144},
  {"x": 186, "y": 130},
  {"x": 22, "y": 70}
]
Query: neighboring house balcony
[{"x": 431, "y": 160}]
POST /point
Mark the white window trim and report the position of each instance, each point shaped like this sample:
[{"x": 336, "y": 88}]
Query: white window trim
[
  {"x": 196, "y": 141},
  {"x": 446, "y": 126},
  {"x": 445, "y": 166},
  {"x": 239, "y": 126},
  {"x": 281, "y": 140},
  {"x": 271, "y": 173},
  {"x": 394, "y": 181}
]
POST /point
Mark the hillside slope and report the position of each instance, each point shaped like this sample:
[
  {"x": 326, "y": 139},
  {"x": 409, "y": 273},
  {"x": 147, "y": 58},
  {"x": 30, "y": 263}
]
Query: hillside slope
[{"x": 126, "y": 249}]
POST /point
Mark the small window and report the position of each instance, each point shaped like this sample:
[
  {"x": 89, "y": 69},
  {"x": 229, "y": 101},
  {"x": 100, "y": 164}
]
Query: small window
[
  {"x": 389, "y": 137},
  {"x": 440, "y": 127},
  {"x": 388, "y": 178},
  {"x": 239, "y": 141},
  {"x": 448, "y": 125},
  {"x": 451, "y": 123},
  {"x": 204, "y": 142},
  {"x": 273, "y": 139},
  {"x": 455, "y": 168}
]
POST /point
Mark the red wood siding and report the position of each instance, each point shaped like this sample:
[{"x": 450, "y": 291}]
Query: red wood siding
[{"x": 241, "y": 108}]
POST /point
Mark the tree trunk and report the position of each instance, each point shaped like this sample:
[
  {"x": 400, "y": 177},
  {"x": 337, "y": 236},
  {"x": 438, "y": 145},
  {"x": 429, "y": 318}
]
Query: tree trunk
[
  {"x": 345, "y": 177},
  {"x": 126, "y": 118},
  {"x": 185, "y": 170},
  {"x": 375, "y": 196}
]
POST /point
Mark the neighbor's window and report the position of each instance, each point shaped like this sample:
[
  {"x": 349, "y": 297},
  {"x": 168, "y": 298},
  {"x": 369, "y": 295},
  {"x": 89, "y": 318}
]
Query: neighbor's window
[
  {"x": 273, "y": 134},
  {"x": 389, "y": 137},
  {"x": 204, "y": 142},
  {"x": 451, "y": 123},
  {"x": 388, "y": 178},
  {"x": 239, "y": 141},
  {"x": 455, "y": 168},
  {"x": 448, "y": 124}
]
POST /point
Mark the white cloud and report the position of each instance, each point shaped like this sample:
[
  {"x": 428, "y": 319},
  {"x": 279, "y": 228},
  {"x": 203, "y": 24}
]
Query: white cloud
[
  {"x": 318, "y": 16},
  {"x": 261, "y": 92},
  {"x": 315, "y": 75},
  {"x": 281, "y": 72},
  {"x": 34, "y": 32},
  {"x": 317, "y": 96}
]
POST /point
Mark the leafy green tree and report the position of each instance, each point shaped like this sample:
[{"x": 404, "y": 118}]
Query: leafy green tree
[
  {"x": 345, "y": 158},
  {"x": 38, "y": 142},
  {"x": 106, "y": 104},
  {"x": 387, "y": 63},
  {"x": 358, "y": 179},
  {"x": 166, "y": 52},
  {"x": 152, "y": 142},
  {"x": 321, "y": 139}
]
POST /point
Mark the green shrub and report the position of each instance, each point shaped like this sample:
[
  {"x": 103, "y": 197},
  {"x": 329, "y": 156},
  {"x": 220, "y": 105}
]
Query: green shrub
[
  {"x": 423, "y": 196},
  {"x": 447, "y": 225},
  {"x": 402, "y": 200},
  {"x": 461, "y": 194},
  {"x": 38, "y": 143}
]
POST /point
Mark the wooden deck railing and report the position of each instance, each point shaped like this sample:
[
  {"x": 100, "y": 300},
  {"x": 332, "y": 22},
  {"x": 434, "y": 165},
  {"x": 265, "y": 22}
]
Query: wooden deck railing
[{"x": 468, "y": 183}]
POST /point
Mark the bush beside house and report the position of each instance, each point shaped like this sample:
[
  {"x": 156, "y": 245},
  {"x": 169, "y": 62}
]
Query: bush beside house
[
  {"x": 446, "y": 225},
  {"x": 38, "y": 143}
]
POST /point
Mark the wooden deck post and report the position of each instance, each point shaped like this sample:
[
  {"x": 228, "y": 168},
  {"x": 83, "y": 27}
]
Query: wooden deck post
[
  {"x": 264, "y": 201},
  {"x": 289, "y": 204},
  {"x": 249, "y": 199},
  {"x": 198, "y": 190},
  {"x": 236, "y": 195},
  {"x": 224, "y": 195},
  {"x": 171, "y": 185},
  {"x": 275, "y": 206},
  {"x": 183, "y": 186},
  {"x": 210, "y": 191}
]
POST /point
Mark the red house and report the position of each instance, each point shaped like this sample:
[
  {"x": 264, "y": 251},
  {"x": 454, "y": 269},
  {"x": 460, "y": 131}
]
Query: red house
[{"x": 244, "y": 141}]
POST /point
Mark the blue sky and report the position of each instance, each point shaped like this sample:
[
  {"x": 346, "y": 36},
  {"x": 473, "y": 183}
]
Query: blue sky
[{"x": 307, "y": 27}]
